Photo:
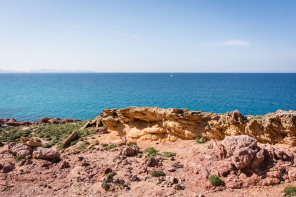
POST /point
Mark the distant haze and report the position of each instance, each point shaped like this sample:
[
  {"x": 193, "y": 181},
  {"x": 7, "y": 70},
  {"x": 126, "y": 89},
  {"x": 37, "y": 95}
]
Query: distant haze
[{"x": 148, "y": 36}]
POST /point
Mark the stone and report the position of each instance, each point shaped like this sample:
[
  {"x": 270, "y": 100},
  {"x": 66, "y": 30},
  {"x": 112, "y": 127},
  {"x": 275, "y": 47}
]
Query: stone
[
  {"x": 33, "y": 143},
  {"x": 258, "y": 158},
  {"x": 128, "y": 151},
  {"x": 7, "y": 166},
  {"x": 45, "y": 153},
  {"x": 19, "y": 149},
  {"x": 64, "y": 164},
  {"x": 269, "y": 181},
  {"x": 152, "y": 162},
  {"x": 241, "y": 149}
]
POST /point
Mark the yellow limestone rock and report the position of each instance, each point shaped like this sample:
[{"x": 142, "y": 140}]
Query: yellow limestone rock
[{"x": 152, "y": 123}]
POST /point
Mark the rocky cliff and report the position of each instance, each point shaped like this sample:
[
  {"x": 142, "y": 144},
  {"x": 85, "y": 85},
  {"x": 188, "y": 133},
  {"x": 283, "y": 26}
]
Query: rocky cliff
[{"x": 148, "y": 123}]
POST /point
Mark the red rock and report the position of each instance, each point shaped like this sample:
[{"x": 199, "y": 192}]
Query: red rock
[
  {"x": 45, "y": 153},
  {"x": 258, "y": 159},
  {"x": 292, "y": 174},
  {"x": 241, "y": 149},
  {"x": 284, "y": 154},
  {"x": 152, "y": 162},
  {"x": 269, "y": 181},
  {"x": 19, "y": 149},
  {"x": 171, "y": 180},
  {"x": 234, "y": 184},
  {"x": 224, "y": 168},
  {"x": 128, "y": 151},
  {"x": 7, "y": 166},
  {"x": 179, "y": 187},
  {"x": 64, "y": 164}
]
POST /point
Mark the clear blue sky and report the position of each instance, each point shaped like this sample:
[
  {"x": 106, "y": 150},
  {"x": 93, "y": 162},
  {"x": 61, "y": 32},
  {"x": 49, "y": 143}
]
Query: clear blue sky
[{"x": 148, "y": 36}]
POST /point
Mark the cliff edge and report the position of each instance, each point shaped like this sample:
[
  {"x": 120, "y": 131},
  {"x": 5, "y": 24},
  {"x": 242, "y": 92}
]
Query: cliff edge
[{"x": 152, "y": 123}]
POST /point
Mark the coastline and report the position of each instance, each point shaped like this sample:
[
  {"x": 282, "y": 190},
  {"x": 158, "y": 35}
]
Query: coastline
[{"x": 149, "y": 151}]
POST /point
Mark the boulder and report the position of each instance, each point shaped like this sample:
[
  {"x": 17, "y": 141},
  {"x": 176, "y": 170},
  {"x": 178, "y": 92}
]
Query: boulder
[
  {"x": 45, "y": 153},
  {"x": 128, "y": 151},
  {"x": 19, "y": 149},
  {"x": 241, "y": 149},
  {"x": 152, "y": 162}
]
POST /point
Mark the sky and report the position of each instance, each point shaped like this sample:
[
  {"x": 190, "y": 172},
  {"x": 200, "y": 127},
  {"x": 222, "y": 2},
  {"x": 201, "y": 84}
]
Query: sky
[{"x": 148, "y": 36}]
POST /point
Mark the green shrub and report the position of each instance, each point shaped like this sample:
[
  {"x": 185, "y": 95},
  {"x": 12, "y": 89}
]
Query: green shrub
[
  {"x": 259, "y": 117},
  {"x": 168, "y": 154},
  {"x": 19, "y": 158},
  {"x": 105, "y": 186},
  {"x": 200, "y": 140},
  {"x": 294, "y": 151},
  {"x": 83, "y": 145},
  {"x": 157, "y": 173},
  {"x": 104, "y": 145},
  {"x": 151, "y": 151},
  {"x": 215, "y": 180},
  {"x": 131, "y": 145},
  {"x": 58, "y": 147},
  {"x": 74, "y": 142},
  {"x": 46, "y": 145},
  {"x": 110, "y": 177},
  {"x": 290, "y": 191},
  {"x": 84, "y": 132},
  {"x": 111, "y": 146},
  {"x": 37, "y": 140},
  {"x": 41, "y": 135}
]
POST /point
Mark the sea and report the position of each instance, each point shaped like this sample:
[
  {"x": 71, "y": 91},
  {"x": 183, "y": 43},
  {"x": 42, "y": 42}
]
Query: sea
[{"x": 25, "y": 96}]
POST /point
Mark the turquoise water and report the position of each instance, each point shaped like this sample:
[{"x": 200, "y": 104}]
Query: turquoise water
[{"x": 83, "y": 96}]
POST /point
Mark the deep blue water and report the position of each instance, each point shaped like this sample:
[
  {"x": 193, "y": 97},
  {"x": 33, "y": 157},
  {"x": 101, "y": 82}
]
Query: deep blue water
[{"x": 83, "y": 96}]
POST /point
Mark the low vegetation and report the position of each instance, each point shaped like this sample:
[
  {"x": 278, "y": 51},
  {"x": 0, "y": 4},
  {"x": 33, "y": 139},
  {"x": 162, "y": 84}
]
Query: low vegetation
[
  {"x": 110, "y": 177},
  {"x": 111, "y": 146},
  {"x": 83, "y": 145},
  {"x": 290, "y": 191},
  {"x": 259, "y": 117},
  {"x": 168, "y": 154},
  {"x": 200, "y": 140},
  {"x": 157, "y": 173},
  {"x": 215, "y": 180},
  {"x": 105, "y": 185},
  {"x": 19, "y": 158},
  {"x": 151, "y": 151},
  {"x": 46, "y": 145}
]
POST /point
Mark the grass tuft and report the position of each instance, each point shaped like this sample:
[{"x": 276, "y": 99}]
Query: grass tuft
[
  {"x": 215, "y": 180},
  {"x": 157, "y": 173},
  {"x": 151, "y": 151},
  {"x": 168, "y": 154},
  {"x": 111, "y": 146},
  {"x": 19, "y": 158},
  {"x": 290, "y": 191},
  {"x": 200, "y": 140}
]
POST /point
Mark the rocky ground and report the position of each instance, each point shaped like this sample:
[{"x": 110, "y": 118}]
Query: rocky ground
[
  {"x": 103, "y": 162},
  {"x": 82, "y": 174}
]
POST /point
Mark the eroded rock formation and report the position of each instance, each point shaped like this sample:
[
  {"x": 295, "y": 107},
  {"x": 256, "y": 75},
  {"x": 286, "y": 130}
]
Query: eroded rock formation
[
  {"x": 243, "y": 164},
  {"x": 174, "y": 124}
]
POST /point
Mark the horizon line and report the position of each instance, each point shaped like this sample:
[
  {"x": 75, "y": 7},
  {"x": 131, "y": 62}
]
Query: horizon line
[{"x": 147, "y": 72}]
